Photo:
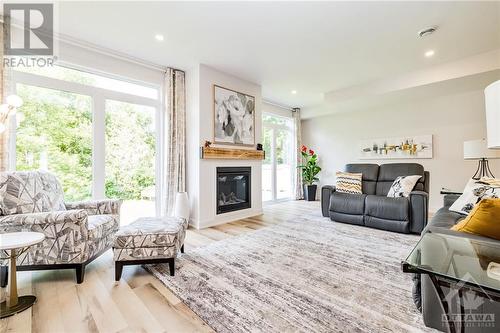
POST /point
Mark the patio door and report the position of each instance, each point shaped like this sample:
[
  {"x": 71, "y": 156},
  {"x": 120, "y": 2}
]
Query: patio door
[{"x": 278, "y": 167}]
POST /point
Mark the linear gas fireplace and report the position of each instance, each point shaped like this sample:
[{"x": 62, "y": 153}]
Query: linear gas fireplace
[{"x": 233, "y": 188}]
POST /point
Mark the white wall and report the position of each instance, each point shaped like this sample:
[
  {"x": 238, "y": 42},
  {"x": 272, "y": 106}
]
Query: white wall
[
  {"x": 202, "y": 173},
  {"x": 451, "y": 120}
]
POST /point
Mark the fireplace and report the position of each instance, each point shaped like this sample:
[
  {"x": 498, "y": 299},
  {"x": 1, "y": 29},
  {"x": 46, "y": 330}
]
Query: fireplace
[{"x": 233, "y": 188}]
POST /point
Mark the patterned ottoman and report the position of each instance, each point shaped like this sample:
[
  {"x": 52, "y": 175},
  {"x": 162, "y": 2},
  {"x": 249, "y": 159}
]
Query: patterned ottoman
[{"x": 149, "y": 240}]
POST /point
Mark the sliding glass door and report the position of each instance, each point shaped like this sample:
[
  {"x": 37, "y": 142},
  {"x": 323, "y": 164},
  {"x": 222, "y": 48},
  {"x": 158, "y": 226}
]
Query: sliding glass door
[
  {"x": 278, "y": 167},
  {"x": 130, "y": 157}
]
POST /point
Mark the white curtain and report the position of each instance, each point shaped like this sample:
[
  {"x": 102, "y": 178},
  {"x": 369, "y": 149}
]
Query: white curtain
[
  {"x": 298, "y": 144},
  {"x": 174, "y": 171}
]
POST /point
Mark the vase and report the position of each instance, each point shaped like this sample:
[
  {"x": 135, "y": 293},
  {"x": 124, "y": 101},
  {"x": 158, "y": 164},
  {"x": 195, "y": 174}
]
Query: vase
[
  {"x": 181, "y": 208},
  {"x": 310, "y": 192}
]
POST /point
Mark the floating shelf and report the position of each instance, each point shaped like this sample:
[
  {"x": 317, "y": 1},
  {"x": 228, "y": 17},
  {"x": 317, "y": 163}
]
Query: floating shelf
[{"x": 231, "y": 154}]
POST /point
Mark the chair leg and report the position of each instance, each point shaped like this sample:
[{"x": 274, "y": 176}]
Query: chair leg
[
  {"x": 182, "y": 248},
  {"x": 118, "y": 270},
  {"x": 4, "y": 276},
  {"x": 171, "y": 265},
  {"x": 80, "y": 273}
]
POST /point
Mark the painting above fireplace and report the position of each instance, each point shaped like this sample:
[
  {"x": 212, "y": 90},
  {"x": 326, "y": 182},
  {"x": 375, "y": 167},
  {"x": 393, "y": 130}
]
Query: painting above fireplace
[{"x": 233, "y": 189}]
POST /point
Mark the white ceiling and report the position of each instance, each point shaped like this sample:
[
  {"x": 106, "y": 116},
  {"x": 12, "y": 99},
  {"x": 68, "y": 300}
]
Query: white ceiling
[{"x": 313, "y": 48}]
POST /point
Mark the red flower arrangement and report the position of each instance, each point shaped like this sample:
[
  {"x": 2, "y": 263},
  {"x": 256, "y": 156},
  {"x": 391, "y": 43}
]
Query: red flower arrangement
[{"x": 310, "y": 167}]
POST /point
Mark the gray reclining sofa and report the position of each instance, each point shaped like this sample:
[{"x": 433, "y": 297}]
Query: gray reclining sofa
[{"x": 373, "y": 208}]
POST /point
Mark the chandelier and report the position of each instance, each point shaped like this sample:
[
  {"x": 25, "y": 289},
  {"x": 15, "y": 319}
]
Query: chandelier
[{"x": 8, "y": 109}]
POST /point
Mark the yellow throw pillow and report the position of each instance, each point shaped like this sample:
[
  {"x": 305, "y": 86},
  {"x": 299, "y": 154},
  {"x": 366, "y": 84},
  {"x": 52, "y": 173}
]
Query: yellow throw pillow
[{"x": 483, "y": 220}]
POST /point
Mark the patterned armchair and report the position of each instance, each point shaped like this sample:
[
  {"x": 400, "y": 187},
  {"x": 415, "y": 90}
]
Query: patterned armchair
[{"x": 75, "y": 233}]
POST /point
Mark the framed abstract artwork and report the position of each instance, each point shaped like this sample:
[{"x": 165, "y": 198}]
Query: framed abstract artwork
[
  {"x": 418, "y": 146},
  {"x": 234, "y": 117}
]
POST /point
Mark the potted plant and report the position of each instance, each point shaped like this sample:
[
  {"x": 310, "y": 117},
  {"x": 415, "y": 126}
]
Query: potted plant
[{"x": 310, "y": 170}]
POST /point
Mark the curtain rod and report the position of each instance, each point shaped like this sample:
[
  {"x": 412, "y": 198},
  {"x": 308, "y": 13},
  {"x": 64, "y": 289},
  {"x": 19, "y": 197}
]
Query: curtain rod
[
  {"x": 288, "y": 108},
  {"x": 112, "y": 53}
]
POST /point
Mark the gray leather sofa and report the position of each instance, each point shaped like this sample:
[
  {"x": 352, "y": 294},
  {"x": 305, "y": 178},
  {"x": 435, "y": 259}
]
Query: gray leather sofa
[
  {"x": 425, "y": 295},
  {"x": 373, "y": 208}
]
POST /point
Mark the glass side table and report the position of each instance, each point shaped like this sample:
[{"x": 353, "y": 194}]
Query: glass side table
[
  {"x": 460, "y": 269},
  {"x": 16, "y": 243}
]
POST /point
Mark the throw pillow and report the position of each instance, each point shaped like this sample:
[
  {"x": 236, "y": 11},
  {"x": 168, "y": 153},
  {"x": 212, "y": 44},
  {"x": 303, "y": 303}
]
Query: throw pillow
[
  {"x": 482, "y": 220},
  {"x": 348, "y": 182},
  {"x": 402, "y": 186},
  {"x": 474, "y": 191}
]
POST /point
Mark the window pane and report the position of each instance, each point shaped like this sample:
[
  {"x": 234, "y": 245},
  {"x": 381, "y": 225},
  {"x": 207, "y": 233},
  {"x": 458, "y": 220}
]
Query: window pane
[
  {"x": 73, "y": 75},
  {"x": 267, "y": 174},
  {"x": 56, "y": 135},
  {"x": 272, "y": 119},
  {"x": 130, "y": 158},
  {"x": 283, "y": 164}
]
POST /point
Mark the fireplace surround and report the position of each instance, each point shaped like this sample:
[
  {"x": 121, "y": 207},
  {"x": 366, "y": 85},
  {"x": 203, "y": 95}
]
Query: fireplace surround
[{"x": 233, "y": 189}]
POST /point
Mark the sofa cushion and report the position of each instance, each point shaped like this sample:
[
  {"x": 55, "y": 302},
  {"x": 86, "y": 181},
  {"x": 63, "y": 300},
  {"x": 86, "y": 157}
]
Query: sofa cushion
[
  {"x": 389, "y": 172},
  {"x": 348, "y": 182},
  {"x": 482, "y": 220},
  {"x": 402, "y": 186},
  {"x": 150, "y": 232},
  {"x": 387, "y": 208},
  {"x": 346, "y": 203},
  {"x": 369, "y": 178},
  {"x": 23, "y": 192},
  {"x": 102, "y": 225}
]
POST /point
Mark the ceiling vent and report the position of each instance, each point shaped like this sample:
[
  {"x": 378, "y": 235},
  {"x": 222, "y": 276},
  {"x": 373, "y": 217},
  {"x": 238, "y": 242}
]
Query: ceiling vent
[{"x": 427, "y": 31}]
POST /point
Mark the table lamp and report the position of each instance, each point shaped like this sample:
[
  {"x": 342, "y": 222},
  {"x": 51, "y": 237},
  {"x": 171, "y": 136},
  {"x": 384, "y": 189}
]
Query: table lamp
[{"x": 478, "y": 150}]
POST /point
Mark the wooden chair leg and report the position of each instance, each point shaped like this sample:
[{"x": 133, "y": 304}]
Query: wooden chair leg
[
  {"x": 118, "y": 270},
  {"x": 171, "y": 265},
  {"x": 80, "y": 273},
  {"x": 4, "y": 275}
]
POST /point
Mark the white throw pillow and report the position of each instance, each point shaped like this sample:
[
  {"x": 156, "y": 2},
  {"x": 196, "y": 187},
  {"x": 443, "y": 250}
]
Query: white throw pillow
[
  {"x": 402, "y": 186},
  {"x": 474, "y": 191}
]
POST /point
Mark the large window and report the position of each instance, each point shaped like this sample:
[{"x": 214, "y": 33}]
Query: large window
[
  {"x": 278, "y": 168},
  {"x": 97, "y": 134},
  {"x": 56, "y": 135}
]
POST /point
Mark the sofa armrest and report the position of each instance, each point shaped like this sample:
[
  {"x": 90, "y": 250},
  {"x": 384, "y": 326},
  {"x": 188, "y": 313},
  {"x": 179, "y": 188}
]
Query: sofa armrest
[
  {"x": 326, "y": 192},
  {"x": 449, "y": 199},
  {"x": 66, "y": 236},
  {"x": 46, "y": 222},
  {"x": 97, "y": 207},
  {"x": 419, "y": 209}
]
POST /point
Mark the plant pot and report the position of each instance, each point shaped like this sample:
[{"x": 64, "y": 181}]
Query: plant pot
[{"x": 310, "y": 192}]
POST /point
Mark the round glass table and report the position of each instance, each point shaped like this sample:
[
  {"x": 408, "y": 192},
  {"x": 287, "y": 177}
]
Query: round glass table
[{"x": 17, "y": 243}]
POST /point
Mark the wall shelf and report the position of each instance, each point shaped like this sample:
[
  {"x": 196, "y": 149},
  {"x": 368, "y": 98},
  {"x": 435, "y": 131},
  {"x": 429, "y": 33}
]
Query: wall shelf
[{"x": 231, "y": 154}]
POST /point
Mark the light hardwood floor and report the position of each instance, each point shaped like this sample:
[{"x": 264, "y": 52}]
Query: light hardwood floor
[{"x": 139, "y": 302}]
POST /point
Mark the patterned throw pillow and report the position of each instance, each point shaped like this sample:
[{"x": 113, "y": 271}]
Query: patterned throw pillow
[
  {"x": 474, "y": 191},
  {"x": 402, "y": 186},
  {"x": 348, "y": 182}
]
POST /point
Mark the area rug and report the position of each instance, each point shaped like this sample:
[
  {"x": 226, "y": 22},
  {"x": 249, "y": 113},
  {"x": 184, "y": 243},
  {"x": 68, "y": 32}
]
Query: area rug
[{"x": 304, "y": 275}]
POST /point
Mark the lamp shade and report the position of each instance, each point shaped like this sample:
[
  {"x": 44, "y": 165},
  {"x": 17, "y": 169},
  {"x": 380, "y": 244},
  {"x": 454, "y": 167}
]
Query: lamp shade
[
  {"x": 492, "y": 103},
  {"x": 181, "y": 208},
  {"x": 478, "y": 149}
]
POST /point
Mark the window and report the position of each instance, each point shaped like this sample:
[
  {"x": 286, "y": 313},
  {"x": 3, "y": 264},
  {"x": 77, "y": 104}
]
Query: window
[
  {"x": 279, "y": 165},
  {"x": 93, "y": 80},
  {"x": 97, "y": 134},
  {"x": 56, "y": 135}
]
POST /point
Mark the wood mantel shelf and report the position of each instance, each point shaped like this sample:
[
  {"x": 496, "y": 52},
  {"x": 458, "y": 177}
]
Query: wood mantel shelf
[{"x": 231, "y": 154}]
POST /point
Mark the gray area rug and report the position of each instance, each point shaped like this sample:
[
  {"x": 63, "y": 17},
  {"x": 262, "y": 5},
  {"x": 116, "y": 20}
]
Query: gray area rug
[{"x": 303, "y": 275}]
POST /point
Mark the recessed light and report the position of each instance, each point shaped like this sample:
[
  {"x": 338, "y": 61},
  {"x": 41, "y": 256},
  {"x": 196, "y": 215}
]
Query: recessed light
[
  {"x": 429, "y": 53},
  {"x": 294, "y": 92},
  {"x": 159, "y": 37}
]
